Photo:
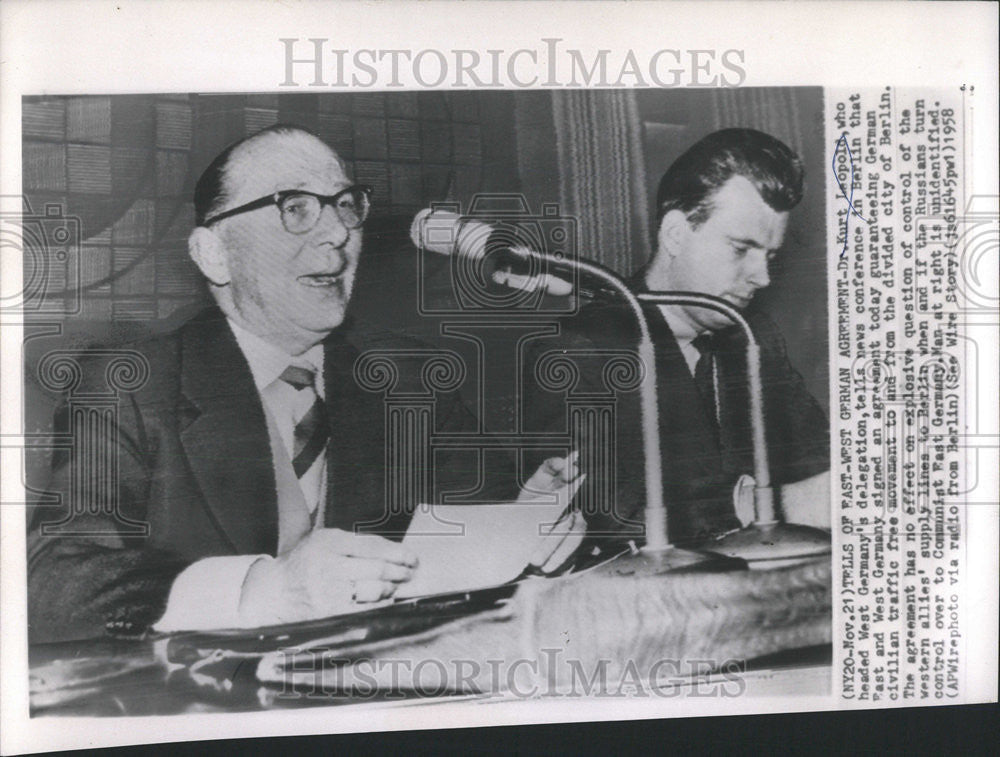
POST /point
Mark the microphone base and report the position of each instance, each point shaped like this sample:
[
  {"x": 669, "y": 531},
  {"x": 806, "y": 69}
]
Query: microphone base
[
  {"x": 775, "y": 545},
  {"x": 653, "y": 562}
]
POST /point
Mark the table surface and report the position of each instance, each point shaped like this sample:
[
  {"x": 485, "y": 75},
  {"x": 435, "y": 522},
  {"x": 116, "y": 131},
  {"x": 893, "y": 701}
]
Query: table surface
[
  {"x": 195, "y": 672},
  {"x": 143, "y": 685}
]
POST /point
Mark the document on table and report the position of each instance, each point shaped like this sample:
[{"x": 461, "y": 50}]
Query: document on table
[{"x": 465, "y": 547}]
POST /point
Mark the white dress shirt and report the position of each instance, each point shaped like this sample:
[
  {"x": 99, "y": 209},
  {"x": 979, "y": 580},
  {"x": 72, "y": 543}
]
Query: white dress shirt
[
  {"x": 685, "y": 334},
  {"x": 285, "y": 404}
]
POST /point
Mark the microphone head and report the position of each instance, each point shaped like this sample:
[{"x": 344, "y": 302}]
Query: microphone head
[
  {"x": 544, "y": 282},
  {"x": 417, "y": 231},
  {"x": 448, "y": 233}
]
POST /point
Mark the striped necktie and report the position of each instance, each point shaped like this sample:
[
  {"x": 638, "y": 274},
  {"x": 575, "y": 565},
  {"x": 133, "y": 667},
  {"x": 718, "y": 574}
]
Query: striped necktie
[{"x": 312, "y": 431}]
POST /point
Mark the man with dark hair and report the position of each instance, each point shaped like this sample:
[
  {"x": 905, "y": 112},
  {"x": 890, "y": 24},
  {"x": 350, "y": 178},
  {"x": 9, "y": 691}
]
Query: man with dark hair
[
  {"x": 722, "y": 211},
  {"x": 252, "y": 453},
  {"x": 689, "y": 185}
]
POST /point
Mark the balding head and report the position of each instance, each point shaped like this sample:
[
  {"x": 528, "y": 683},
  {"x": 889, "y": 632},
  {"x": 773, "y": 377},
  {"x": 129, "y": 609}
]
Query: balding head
[
  {"x": 212, "y": 190},
  {"x": 286, "y": 284}
]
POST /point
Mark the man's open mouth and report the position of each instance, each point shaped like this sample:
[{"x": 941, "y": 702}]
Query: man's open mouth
[{"x": 322, "y": 279}]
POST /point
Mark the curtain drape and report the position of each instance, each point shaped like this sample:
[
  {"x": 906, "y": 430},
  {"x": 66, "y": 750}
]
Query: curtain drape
[{"x": 602, "y": 174}]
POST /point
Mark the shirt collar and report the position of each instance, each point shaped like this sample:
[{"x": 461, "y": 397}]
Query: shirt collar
[
  {"x": 267, "y": 362},
  {"x": 685, "y": 334}
]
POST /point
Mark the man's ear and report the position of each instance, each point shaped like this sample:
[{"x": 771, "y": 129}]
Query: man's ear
[
  {"x": 673, "y": 233},
  {"x": 209, "y": 254}
]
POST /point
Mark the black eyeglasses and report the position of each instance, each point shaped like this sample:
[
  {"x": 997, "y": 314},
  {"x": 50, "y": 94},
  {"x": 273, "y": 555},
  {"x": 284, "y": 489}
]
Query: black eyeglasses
[{"x": 300, "y": 210}]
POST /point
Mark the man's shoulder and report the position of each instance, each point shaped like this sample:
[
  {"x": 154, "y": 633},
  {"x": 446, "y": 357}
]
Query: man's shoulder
[
  {"x": 765, "y": 330},
  {"x": 767, "y": 333},
  {"x": 761, "y": 323},
  {"x": 373, "y": 354},
  {"x": 365, "y": 335},
  {"x": 610, "y": 318},
  {"x": 146, "y": 364},
  {"x": 597, "y": 325}
]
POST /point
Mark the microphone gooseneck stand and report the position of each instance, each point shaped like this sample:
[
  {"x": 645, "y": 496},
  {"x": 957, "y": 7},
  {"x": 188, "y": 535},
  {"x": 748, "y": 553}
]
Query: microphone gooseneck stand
[
  {"x": 447, "y": 233},
  {"x": 657, "y": 555},
  {"x": 767, "y": 541}
]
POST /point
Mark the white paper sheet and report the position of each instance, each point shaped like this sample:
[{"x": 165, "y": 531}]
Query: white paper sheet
[{"x": 464, "y": 547}]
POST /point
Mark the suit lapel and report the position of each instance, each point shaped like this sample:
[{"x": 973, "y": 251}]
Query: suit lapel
[
  {"x": 356, "y": 454},
  {"x": 678, "y": 391},
  {"x": 227, "y": 443},
  {"x": 734, "y": 398}
]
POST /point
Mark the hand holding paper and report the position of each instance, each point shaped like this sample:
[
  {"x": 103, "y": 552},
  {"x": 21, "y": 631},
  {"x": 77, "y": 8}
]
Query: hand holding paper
[
  {"x": 330, "y": 572},
  {"x": 556, "y": 475},
  {"x": 464, "y": 547}
]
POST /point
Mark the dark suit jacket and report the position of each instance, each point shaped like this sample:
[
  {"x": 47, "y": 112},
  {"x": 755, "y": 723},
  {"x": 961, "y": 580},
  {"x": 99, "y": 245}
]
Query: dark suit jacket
[
  {"x": 194, "y": 463},
  {"x": 700, "y": 465}
]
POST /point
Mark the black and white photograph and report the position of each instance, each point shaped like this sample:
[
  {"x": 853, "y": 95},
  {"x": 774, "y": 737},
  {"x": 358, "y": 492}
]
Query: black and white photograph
[
  {"x": 558, "y": 383},
  {"x": 375, "y": 373}
]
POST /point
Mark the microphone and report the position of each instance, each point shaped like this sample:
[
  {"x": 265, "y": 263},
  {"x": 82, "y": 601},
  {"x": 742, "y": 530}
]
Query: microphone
[
  {"x": 768, "y": 540},
  {"x": 507, "y": 260},
  {"x": 448, "y": 233}
]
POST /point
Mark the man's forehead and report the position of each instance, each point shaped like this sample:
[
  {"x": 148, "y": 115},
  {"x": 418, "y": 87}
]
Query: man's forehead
[
  {"x": 738, "y": 208},
  {"x": 283, "y": 161}
]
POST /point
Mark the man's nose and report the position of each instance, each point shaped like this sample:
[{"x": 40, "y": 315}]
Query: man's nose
[
  {"x": 756, "y": 264},
  {"x": 330, "y": 229}
]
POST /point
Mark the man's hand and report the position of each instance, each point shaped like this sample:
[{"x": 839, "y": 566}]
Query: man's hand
[
  {"x": 554, "y": 476},
  {"x": 559, "y": 476},
  {"x": 330, "y": 572}
]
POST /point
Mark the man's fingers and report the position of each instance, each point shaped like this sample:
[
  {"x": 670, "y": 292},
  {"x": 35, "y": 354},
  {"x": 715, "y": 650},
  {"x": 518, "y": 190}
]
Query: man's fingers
[
  {"x": 363, "y": 569},
  {"x": 372, "y": 590},
  {"x": 564, "y": 469},
  {"x": 554, "y": 476},
  {"x": 349, "y": 594},
  {"x": 364, "y": 545},
  {"x": 571, "y": 469}
]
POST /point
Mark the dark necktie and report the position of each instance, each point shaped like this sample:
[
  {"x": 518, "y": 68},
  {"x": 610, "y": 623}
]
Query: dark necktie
[
  {"x": 312, "y": 431},
  {"x": 704, "y": 377}
]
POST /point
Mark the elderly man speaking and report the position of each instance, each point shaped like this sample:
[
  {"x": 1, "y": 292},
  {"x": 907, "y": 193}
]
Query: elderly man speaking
[{"x": 251, "y": 452}]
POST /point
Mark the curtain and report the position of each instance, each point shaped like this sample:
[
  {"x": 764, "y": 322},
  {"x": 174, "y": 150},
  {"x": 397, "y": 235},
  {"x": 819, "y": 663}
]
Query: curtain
[
  {"x": 602, "y": 180},
  {"x": 774, "y": 110}
]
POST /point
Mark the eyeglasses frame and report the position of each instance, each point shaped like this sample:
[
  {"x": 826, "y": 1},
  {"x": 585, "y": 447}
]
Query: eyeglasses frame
[{"x": 278, "y": 197}]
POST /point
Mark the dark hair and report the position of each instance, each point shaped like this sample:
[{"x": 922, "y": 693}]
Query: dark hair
[
  {"x": 693, "y": 179},
  {"x": 210, "y": 191}
]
